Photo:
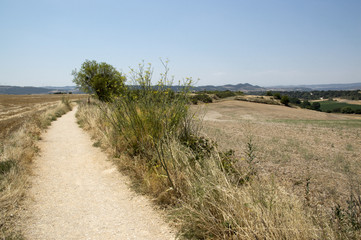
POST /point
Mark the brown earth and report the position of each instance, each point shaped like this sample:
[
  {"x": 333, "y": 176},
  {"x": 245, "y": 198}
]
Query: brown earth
[
  {"x": 16, "y": 109},
  {"x": 310, "y": 153}
]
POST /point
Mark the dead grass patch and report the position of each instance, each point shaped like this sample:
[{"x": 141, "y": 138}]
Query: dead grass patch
[
  {"x": 17, "y": 109},
  {"x": 312, "y": 154}
]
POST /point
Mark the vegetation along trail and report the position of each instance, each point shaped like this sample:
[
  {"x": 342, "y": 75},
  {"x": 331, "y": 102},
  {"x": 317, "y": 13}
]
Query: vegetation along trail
[{"x": 77, "y": 194}]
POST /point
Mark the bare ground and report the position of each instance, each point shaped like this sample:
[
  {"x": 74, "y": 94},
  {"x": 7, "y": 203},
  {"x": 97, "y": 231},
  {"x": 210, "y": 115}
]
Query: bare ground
[{"x": 77, "y": 194}]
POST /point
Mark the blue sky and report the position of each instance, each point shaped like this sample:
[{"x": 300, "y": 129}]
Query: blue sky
[{"x": 269, "y": 42}]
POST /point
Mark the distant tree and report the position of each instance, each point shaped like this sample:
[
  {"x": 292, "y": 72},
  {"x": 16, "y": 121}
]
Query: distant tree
[
  {"x": 224, "y": 94},
  {"x": 285, "y": 100},
  {"x": 347, "y": 110},
  {"x": 269, "y": 93},
  {"x": 203, "y": 97},
  {"x": 277, "y": 95},
  {"x": 295, "y": 100},
  {"x": 306, "y": 104},
  {"x": 100, "y": 79},
  {"x": 316, "y": 106}
]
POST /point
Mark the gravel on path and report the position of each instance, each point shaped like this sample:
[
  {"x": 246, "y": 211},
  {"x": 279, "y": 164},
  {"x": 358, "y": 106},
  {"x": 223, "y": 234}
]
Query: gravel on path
[{"x": 77, "y": 194}]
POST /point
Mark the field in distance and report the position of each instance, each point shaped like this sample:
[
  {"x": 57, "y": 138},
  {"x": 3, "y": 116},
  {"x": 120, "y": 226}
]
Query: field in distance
[
  {"x": 314, "y": 155},
  {"x": 15, "y": 109}
]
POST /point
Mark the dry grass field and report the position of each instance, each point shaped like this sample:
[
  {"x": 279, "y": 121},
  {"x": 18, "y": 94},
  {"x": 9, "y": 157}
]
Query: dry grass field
[
  {"x": 314, "y": 155},
  {"x": 15, "y": 109}
]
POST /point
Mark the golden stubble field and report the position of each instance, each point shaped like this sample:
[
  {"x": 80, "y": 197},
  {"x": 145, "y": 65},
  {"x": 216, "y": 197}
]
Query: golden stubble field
[
  {"x": 15, "y": 109},
  {"x": 314, "y": 155}
]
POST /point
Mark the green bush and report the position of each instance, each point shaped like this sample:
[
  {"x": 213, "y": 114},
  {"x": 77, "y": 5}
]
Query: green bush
[
  {"x": 285, "y": 100},
  {"x": 294, "y": 100},
  {"x": 316, "y": 106},
  {"x": 203, "y": 97},
  {"x": 347, "y": 110},
  {"x": 277, "y": 95},
  {"x": 306, "y": 104},
  {"x": 225, "y": 94},
  {"x": 100, "y": 79}
]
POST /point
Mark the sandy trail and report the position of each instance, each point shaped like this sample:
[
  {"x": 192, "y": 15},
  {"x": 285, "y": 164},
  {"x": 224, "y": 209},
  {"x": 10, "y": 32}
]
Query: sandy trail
[{"x": 77, "y": 194}]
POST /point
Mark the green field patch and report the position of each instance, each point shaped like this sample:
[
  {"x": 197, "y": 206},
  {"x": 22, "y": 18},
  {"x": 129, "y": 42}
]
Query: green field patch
[{"x": 334, "y": 106}]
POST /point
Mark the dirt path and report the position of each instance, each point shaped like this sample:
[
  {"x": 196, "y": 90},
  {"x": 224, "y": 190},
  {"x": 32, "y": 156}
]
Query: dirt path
[{"x": 77, "y": 194}]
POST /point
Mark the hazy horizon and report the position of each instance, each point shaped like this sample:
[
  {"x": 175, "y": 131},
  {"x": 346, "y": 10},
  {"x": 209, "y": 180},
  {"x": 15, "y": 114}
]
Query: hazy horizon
[
  {"x": 263, "y": 43},
  {"x": 197, "y": 85}
]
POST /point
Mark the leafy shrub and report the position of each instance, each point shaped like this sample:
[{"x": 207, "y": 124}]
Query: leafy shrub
[
  {"x": 294, "y": 100},
  {"x": 277, "y": 95},
  {"x": 203, "y": 97},
  {"x": 316, "y": 106},
  {"x": 194, "y": 100},
  {"x": 306, "y": 104},
  {"x": 285, "y": 100},
  {"x": 347, "y": 110},
  {"x": 225, "y": 94}
]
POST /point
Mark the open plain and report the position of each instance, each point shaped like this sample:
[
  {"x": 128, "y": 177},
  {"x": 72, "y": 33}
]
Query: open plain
[
  {"x": 315, "y": 155},
  {"x": 16, "y": 109}
]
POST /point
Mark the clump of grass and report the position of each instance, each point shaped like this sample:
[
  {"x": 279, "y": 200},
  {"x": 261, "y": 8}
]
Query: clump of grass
[
  {"x": 17, "y": 152},
  {"x": 210, "y": 194},
  {"x": 212, "y": 206}
]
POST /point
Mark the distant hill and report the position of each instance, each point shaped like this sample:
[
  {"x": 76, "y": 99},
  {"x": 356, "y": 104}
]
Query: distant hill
[
  {"x": 244, "y": 87},
  {"x": 317, "y": 87},
  {"x": 15, "y": 90},
  {"x": 23, "y": 90}
]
